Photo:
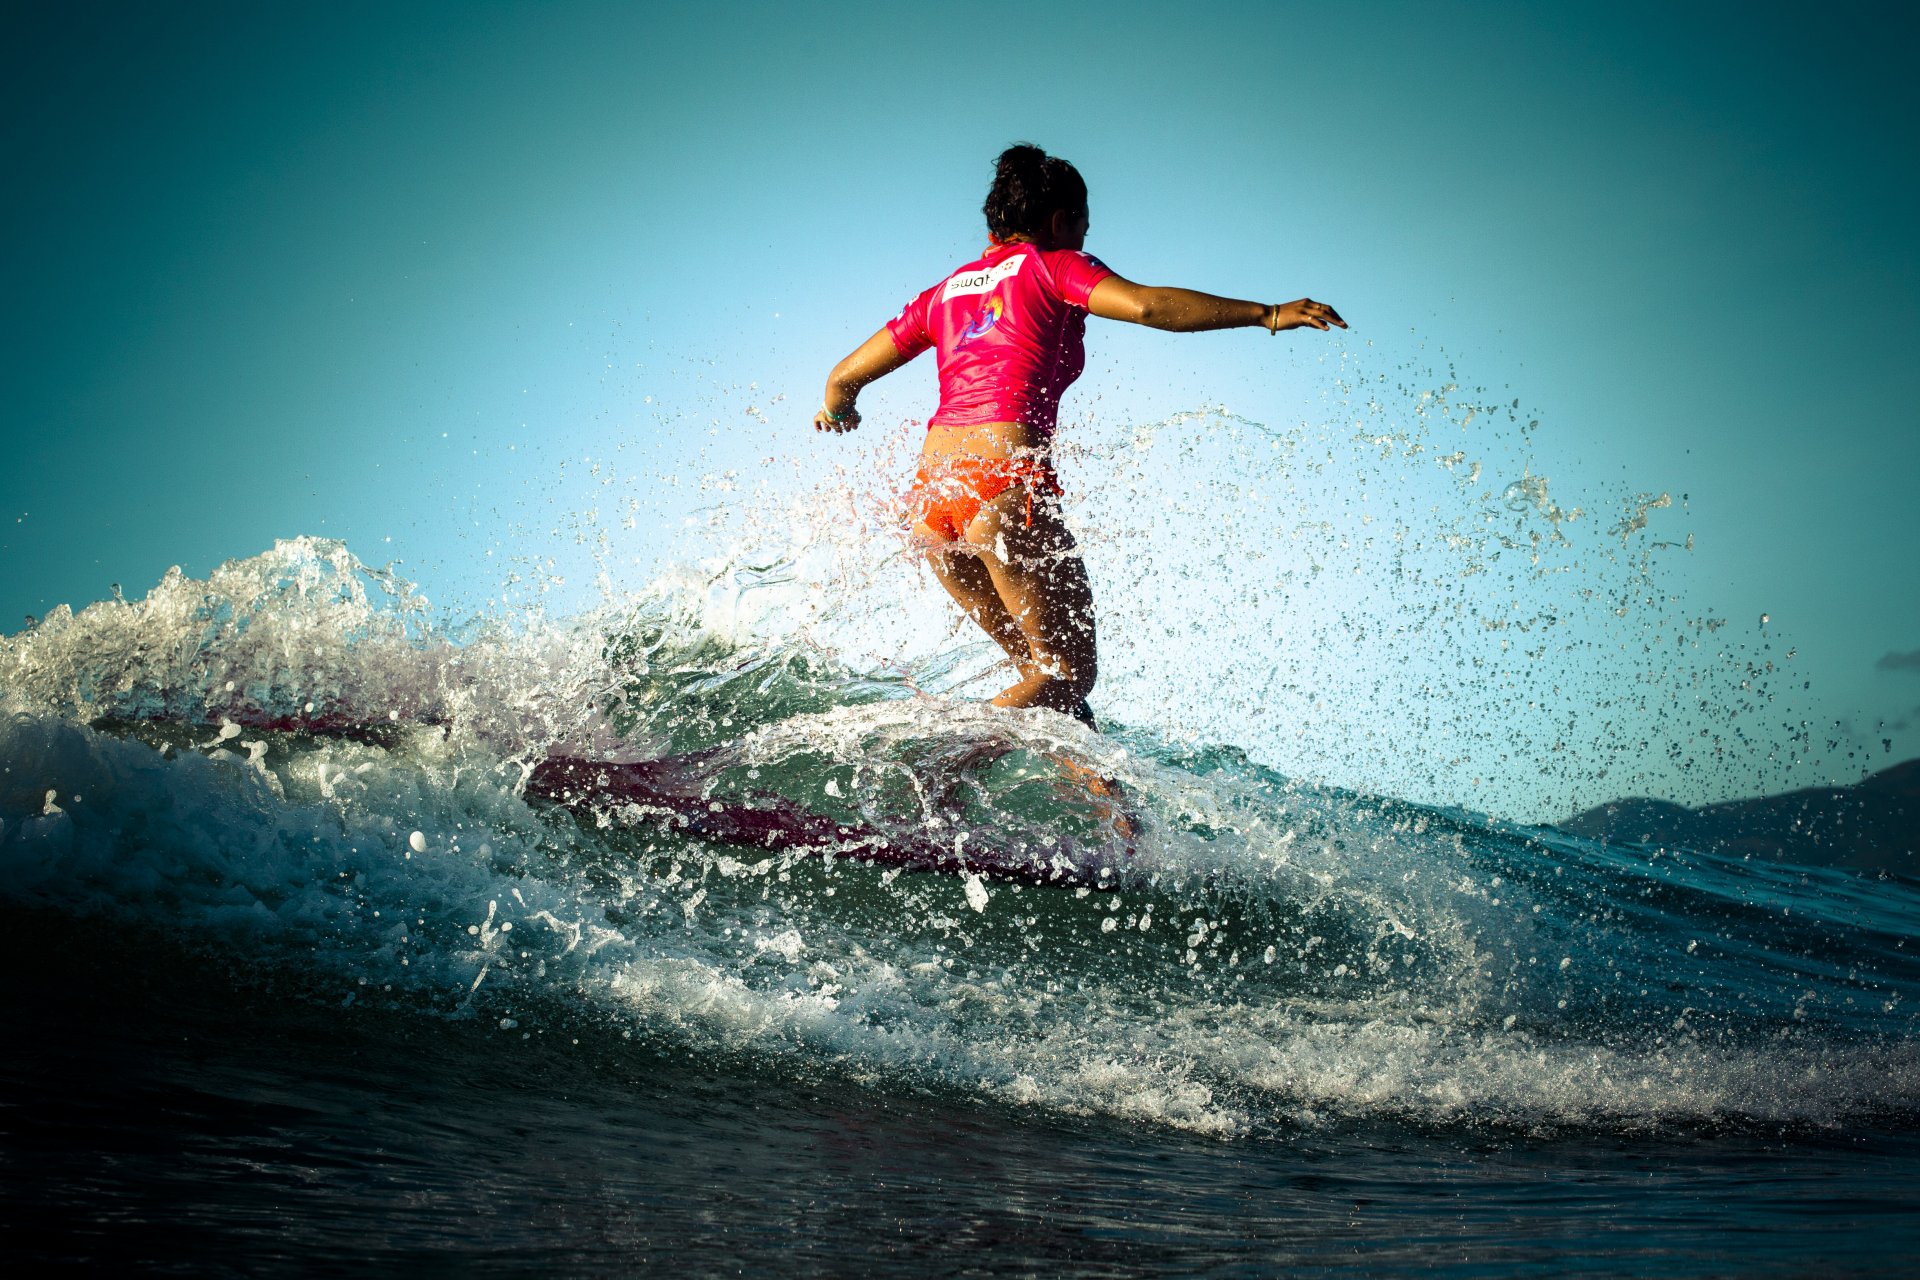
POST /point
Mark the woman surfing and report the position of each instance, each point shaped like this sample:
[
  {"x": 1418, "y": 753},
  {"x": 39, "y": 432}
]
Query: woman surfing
[{"x": 1009, "y": 329}]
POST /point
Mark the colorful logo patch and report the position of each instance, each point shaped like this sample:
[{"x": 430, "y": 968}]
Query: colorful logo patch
[{"x": 983, "y": 320}]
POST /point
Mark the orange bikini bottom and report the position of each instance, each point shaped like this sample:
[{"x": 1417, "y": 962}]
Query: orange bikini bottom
[{"x": 949, "y": 492}]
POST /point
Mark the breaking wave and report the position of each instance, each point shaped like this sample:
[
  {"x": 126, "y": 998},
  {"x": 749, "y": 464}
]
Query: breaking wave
[{"x": 290, "y": 765}]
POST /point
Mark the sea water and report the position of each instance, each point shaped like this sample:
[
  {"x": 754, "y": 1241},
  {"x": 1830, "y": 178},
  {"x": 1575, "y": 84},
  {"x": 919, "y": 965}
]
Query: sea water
[{"x": 338, "y": 993}]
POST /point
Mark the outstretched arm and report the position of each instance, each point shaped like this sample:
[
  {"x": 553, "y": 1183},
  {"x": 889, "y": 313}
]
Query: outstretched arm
[
  {"x": 1189, "y": 311},
  {"x": 875, "y": 358}
]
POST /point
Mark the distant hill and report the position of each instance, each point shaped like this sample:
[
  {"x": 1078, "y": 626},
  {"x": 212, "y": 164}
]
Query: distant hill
[{"x": 1873, "y": 825}]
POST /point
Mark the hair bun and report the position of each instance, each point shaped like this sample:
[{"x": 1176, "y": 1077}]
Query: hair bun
[
  {"x": 1029, "y": 186},
  {"x": 1021, "y": 158}
]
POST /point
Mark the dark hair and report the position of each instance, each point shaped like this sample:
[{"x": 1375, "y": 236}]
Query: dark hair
[{"x": 1028, "y": 186}]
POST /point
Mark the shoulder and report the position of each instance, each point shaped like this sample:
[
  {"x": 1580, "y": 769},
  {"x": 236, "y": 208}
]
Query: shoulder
[
  {"x": 1073, "y": 258},
  {"x": 1074, "y": 273}
]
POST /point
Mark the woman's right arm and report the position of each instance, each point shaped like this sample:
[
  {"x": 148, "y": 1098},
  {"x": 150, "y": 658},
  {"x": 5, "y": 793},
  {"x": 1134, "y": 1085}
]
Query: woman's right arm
[
  {"x": 1189, "y": 311},
  {"x": 875, "y": 358}
]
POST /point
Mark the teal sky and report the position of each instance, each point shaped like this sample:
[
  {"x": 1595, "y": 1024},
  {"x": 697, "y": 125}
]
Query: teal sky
[{"x": 402, "y": 275}]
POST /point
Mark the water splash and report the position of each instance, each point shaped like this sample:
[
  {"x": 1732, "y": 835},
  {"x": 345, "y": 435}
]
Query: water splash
[
  {"x": 1388, "y": 595},
  {"x": 1283, "y": 953}
]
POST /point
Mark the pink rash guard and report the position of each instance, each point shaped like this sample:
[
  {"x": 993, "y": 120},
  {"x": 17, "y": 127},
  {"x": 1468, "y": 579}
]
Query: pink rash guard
[{"x": 1011, "y": 330}]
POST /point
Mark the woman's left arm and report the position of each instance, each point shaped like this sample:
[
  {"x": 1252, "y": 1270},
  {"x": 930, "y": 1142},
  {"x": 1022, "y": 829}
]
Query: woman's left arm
[
  {"x": 1190, "y": 311},
  {"x": 875, "y": 358}
]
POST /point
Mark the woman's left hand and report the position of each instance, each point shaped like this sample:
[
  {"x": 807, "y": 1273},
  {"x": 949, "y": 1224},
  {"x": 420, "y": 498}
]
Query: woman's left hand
[
  {"x": 824, "y": 421},
  {"x": 1302, "y": 314}
]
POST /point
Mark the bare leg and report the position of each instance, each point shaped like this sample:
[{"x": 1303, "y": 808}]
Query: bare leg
[
  {"x": 966, "y": 579},
  {"x": 1042, "y": 587}
]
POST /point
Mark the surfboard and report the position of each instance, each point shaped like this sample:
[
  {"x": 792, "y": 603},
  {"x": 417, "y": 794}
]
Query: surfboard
[
  {"x": 672, "y": 791},
  {"x": 680, "y": 793},
  {"x": 675, "y": 792}
]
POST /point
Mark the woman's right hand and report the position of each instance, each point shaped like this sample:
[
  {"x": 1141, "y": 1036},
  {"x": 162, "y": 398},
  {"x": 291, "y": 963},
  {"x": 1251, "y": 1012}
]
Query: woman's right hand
[
  {"x": 824, "y": 421},
  {"x": 1305, "y": 313}
]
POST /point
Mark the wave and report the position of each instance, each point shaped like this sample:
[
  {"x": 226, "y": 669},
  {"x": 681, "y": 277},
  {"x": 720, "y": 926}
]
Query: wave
[{"x": 1272, "y": 953}]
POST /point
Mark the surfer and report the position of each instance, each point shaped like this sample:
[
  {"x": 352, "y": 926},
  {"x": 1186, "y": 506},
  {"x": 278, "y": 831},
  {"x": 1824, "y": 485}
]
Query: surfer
[{"x": 1010, "y": 331}]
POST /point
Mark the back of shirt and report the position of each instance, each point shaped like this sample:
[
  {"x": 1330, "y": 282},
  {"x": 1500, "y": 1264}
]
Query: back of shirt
[{"x": 1010, "y": 329}]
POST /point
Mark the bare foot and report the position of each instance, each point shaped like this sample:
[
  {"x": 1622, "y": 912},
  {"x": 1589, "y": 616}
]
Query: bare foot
[{"x": 1109, "y": 799}]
